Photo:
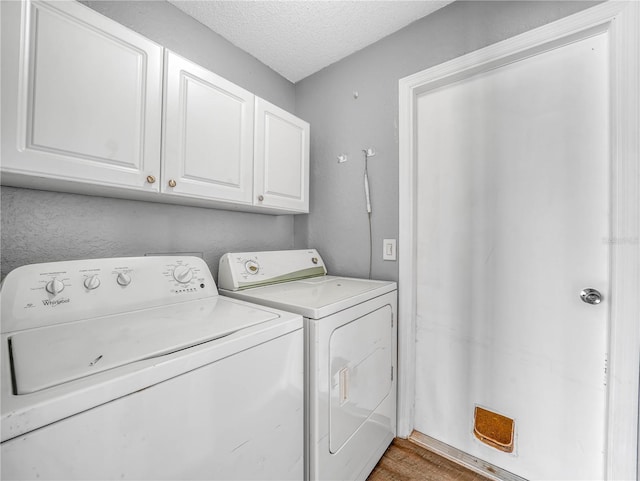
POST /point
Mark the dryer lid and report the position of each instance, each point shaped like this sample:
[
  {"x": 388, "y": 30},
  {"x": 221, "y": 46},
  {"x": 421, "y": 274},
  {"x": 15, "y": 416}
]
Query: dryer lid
[
  {"x": 49, "y": 356},
  {"x": 317, "y": 297}
]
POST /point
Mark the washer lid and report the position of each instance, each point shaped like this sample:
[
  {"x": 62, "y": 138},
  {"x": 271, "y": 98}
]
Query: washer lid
[
  {"x": 317, "y": 297},
  {"x": 48, "y": 356}
]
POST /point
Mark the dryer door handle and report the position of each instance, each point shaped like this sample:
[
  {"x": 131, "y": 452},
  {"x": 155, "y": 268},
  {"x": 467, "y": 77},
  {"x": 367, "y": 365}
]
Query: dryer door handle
[{"x": 344, "y": 385}]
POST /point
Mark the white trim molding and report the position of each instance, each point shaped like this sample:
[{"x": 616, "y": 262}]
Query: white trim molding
[{"x": 620, "y": 20}]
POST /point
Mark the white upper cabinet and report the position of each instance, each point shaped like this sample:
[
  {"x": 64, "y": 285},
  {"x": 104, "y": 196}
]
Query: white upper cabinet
[
  {"x": 81, "y": 98},
  {"x": 281, "y": 162},
  {"x": 208, "y": 134},
  {"x": 91, "y": 107}
]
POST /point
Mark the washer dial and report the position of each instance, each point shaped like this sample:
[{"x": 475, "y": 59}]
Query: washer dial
[
  {"x": 54, "y": 286},
  {"x": 92, "y": 282},
  {"x": 123, "y": 279},
  {"x": 183, "y": 274}
]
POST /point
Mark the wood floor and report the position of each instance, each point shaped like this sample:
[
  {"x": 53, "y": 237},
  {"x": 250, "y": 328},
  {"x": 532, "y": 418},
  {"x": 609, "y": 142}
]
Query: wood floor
[{"x": 406, "y": 461}]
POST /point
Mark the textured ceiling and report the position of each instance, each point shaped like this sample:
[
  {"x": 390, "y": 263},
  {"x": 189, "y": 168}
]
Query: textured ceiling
[{"x": 298, "y": 38}]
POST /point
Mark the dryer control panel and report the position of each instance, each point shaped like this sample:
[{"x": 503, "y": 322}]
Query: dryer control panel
[
  {"x": 56, "y": 292},
  {"x": 243, "y": 270}
]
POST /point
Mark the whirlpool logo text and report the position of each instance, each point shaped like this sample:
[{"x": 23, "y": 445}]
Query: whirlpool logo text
[{"x": 54, "y": 302}]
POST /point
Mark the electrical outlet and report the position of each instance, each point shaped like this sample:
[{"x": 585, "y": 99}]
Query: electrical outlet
[{"x": 389, "y": 249}]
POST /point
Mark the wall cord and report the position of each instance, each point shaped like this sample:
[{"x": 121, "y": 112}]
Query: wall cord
[{"x": 368, "y": 200}]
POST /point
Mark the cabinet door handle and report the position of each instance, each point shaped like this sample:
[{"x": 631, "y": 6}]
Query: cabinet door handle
[
  {"x": 151, "y": 179},
  {"x": 260, "y": 198},
  {"x": 172, "y": 183}
]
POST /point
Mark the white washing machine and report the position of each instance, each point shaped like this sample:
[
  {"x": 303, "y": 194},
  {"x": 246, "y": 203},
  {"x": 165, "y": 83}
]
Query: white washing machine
[
  {"x": 350, "y": 353},
  {"x": 135, "y": 368}
]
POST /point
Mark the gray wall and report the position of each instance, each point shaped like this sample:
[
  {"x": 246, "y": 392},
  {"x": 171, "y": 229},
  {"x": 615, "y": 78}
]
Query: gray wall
[
  {"x": 337, "y": 225},
  {"x": 39, "y": 226}
]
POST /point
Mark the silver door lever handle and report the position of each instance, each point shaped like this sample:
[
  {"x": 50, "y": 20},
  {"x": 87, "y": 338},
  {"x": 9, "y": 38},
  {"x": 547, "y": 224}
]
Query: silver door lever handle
[{"x": 591, "y": 296}]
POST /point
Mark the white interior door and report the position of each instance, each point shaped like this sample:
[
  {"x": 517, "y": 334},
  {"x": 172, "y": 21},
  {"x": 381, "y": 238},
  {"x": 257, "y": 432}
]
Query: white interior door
[{"x": 513, "y": 221}]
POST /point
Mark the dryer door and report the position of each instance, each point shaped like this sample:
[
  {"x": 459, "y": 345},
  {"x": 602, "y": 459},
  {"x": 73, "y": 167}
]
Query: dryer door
[{"x": 361, "y": 361}]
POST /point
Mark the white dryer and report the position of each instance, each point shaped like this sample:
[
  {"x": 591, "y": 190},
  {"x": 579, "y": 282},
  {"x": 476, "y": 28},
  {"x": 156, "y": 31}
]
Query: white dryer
[
  {"x": 135, "y": 368},
  {"x": 350, "y": 353}
]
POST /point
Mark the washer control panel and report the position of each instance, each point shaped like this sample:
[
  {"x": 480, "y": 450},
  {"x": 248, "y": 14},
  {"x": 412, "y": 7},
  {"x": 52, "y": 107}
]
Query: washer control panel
[
  {"x": 44, "y": 294},
  {"x": 243, "y": 270}
]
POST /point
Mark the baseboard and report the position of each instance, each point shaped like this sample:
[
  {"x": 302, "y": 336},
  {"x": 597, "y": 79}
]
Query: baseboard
[{"x": 474, "y": 464}]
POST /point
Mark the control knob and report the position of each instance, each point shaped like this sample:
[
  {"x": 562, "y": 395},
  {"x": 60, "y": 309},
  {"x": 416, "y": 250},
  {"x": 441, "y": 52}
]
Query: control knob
[
  {"x": 54, "y": 287},
  {"x": 252, "y": 267},
  {"x": 183, "y": 274},
  {"x": 123, "y": 279},
  {"x": 92, "y": 282}
]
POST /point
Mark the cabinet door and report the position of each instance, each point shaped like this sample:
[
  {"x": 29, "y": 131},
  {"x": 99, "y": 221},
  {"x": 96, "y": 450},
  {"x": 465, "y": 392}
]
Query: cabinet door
[
  {"x": 281, "y": 159},
  {"x": 208, "y": 141},
  {"x": 81, "y": 98}
]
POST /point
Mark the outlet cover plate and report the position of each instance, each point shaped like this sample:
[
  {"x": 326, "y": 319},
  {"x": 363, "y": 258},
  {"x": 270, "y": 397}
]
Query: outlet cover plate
[{"x": 389, "y": 249}]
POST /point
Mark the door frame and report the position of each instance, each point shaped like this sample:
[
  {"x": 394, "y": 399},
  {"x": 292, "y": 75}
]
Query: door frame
[{"x": 620, "y": 21}]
